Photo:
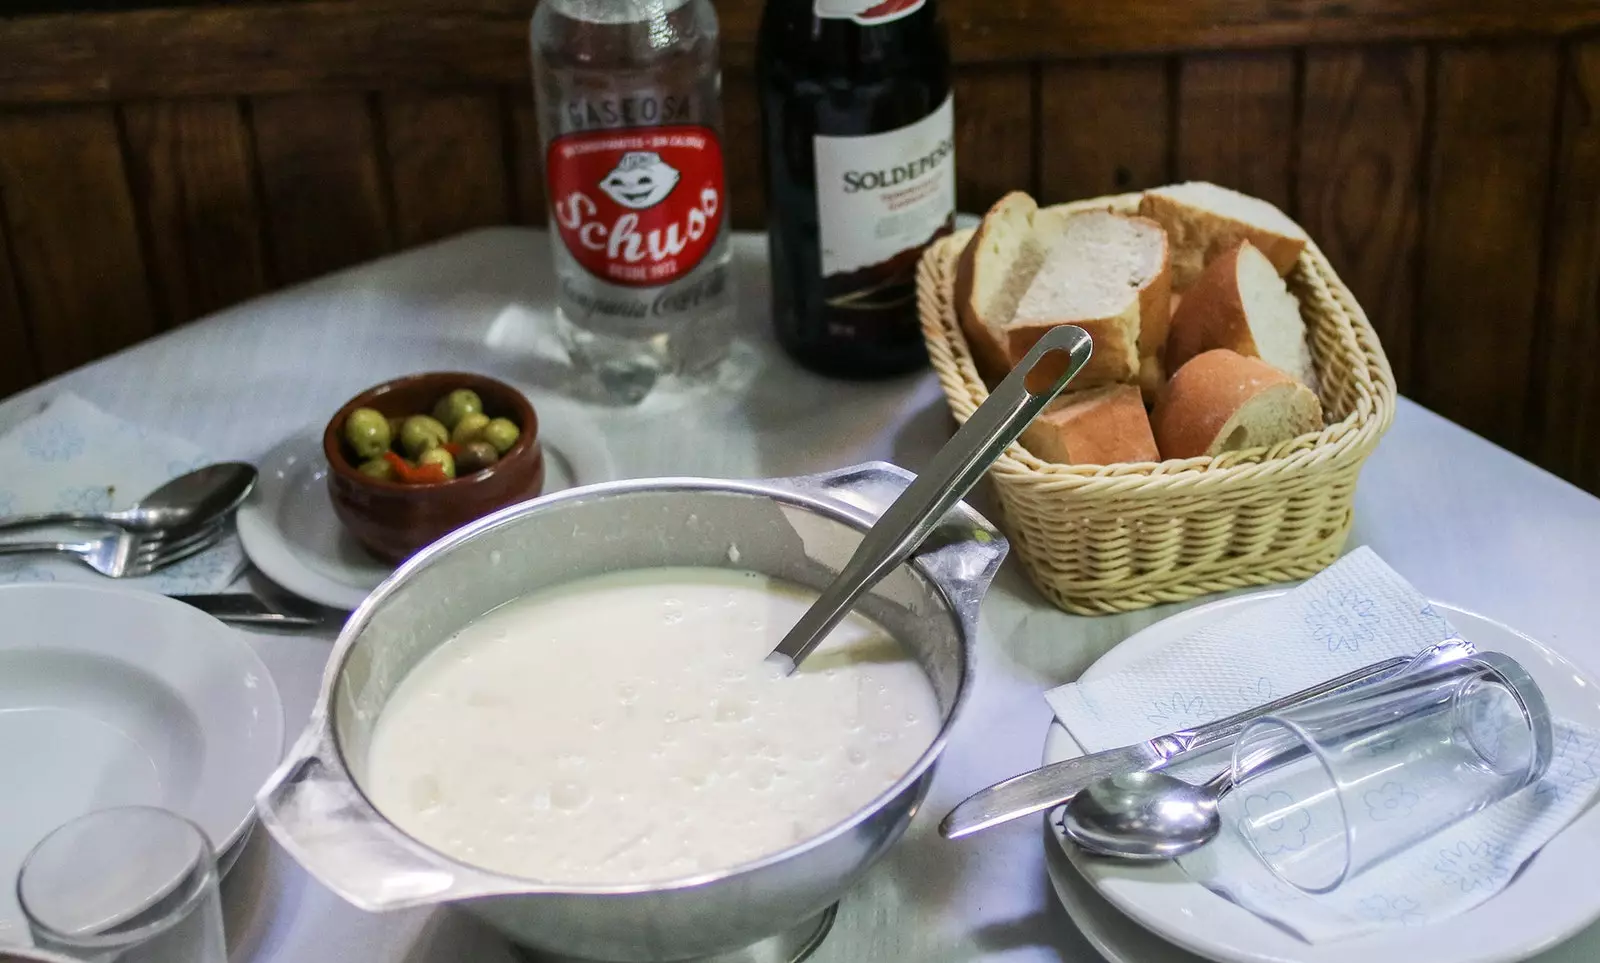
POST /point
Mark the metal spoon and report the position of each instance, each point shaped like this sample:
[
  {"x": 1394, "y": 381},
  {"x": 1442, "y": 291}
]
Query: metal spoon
[
  {"x": 1145, "y": 816},
  {"x": 952, "y": 473},
  {"x": 185, "y": 502}
]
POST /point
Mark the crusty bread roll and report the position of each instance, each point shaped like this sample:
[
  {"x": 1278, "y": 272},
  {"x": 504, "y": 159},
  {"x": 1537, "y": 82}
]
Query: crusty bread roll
[
  {"x": 1106, "y": 273},
  {"x": 1223, "y": 401},
  {"x": 1240, "y": 303},
  {"x": 994, "y": 270},
  {"x": 1100, "y": 426},
  {"x": 1203, "y": 221}
]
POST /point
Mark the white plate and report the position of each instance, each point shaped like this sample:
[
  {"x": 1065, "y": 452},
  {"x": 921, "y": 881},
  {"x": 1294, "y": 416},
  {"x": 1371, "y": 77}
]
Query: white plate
[
  {"x": 112, "y": 697},
  {"x": 1114, "y": 936},
  {"x": 1552, "y": 898},
  {"x": 291, "y": 534}
]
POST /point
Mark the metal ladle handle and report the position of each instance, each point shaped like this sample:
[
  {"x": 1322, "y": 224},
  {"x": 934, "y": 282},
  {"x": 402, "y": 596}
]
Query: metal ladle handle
[{"x": 954, "y": 470}]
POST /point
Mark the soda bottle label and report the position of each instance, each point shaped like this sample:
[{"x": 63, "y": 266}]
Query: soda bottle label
[
  {"x": 865, "y": 12},
  {"x": 638, "y": 207},
  {"x": 881, "y": 199}
]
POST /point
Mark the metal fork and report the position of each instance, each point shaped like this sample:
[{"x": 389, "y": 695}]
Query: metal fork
[{"x": 127, "y": 554}]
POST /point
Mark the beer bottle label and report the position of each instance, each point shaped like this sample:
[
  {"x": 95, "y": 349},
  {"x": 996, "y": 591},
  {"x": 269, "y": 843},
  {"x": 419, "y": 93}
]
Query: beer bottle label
[
  {"x": 638, "y": 207},
  {"x": 865, "y": 12},
  {"x": 881, "y": 199}
]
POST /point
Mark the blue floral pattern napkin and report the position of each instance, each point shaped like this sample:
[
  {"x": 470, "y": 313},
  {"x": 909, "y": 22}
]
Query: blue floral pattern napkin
[
  {"x": 74, "y": 457},
  {"x": 1356, "y": 612}
]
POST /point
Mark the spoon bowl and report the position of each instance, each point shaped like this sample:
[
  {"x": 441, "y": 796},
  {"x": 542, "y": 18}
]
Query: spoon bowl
[
  {"x": 190, "y": 500},
  {"x": 1145, "y": 816}
]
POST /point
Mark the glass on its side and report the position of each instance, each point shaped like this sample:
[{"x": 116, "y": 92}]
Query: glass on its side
[
  {"x": 1331, "y": 788},
  {"x": 133, "y": 884}
]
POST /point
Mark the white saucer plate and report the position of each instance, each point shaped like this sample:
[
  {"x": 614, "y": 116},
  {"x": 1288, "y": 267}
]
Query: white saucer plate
[
  {"x": 291, "y": 534},
  {"x": 1113, "y": 935},
  {"x": 1552, "y": 899},
  {"x": 112, "y": 697}
]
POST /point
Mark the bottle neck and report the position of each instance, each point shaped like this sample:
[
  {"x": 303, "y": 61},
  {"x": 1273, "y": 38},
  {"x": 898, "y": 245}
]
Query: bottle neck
[
  {"x": 615, "y": 11},
  {"x": 794, "y": 32}
]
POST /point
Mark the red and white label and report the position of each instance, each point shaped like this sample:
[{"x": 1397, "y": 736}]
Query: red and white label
[
  {"x": 866, "y": 12},
  {"x": 638, "y": 207}
]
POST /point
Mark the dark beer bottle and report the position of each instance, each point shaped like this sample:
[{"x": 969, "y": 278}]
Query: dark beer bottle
[{"x": 860, "y": 171}]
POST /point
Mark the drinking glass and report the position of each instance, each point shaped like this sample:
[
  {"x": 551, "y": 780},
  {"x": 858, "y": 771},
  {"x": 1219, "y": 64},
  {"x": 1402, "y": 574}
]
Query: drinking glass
[
  {"x": 133, "y": 884},
  {"x": 1326, "y": 790}
]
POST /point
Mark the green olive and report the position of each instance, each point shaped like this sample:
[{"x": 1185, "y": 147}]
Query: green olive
[
  {"x": 395, "y": 424},
  {"x": 457, "y": 405},
  {"x": 469, "y": 428},
  {"x": 379, "y": 468},
  {"x": 476, "y": 456},
  {"x": 440, "y": 457},
  {"x": 502, "y": 433},
  {"x": 367, "y": 432},
  {"x": 421, "y": 433}
]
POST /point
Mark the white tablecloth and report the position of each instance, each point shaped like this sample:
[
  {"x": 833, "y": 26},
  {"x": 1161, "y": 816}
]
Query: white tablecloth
[{"x": 1462, "y": 519}]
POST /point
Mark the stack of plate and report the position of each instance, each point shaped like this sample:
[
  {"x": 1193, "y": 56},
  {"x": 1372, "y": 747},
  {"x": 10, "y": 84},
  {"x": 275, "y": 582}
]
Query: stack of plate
[
  {"x": 113, "y": 697},
  {"x": 1153, "y": 913}
]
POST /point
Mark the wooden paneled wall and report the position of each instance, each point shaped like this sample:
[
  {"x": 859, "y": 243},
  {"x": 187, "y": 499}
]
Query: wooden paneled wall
[{"x": 159, "y": 165}]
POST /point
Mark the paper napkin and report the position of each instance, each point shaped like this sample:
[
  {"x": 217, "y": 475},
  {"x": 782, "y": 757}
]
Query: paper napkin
[
  {"x": 74, "y": 457},
  {"x": 1356, "y": 612}
]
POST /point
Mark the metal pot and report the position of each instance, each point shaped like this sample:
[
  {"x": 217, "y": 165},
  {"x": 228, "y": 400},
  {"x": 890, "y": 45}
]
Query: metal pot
[{"x": 798, "y": 529}]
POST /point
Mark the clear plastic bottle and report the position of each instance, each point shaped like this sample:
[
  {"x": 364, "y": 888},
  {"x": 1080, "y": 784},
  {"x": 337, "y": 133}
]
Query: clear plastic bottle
[{"x": 629, "y": 98}]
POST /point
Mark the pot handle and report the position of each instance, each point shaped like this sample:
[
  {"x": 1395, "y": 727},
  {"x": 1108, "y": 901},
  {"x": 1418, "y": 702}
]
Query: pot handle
[
  {"x": 313, "y": 809},
  {"x": 963, "y": 553}
]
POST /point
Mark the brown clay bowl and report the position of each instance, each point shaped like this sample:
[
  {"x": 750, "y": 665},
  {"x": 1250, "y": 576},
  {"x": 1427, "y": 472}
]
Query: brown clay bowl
[{"x": 392, "y": 519}]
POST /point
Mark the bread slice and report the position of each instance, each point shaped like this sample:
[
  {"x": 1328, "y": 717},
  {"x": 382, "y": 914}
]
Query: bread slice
[
  {"x": 1101, "y": 426},
  {"x": 1108, "y": 274},
  {"x": 1152, "y": 377},
  {"x": 1203, "y": 221},
  {"x": 1223, "y": 401},
  {"x": 994, "y": 270},
  {"x": 1153, "y": 368},
  {"x": 1240, "y": 303}
]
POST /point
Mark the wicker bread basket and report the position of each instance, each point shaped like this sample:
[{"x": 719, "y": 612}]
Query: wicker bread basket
[{"x": 1116, "y": 538}]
